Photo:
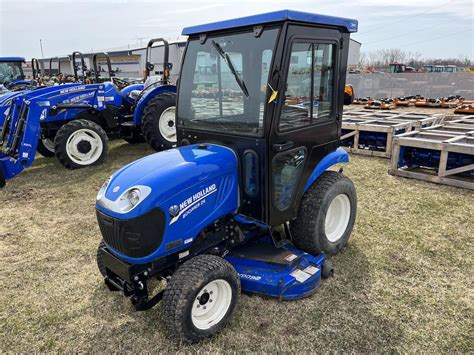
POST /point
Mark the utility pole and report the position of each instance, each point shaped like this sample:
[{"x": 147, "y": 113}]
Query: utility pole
[{"x": 41, "y": 46}]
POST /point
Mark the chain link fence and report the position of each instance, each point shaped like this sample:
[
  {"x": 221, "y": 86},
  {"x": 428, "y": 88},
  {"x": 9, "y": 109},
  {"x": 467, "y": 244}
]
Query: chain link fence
[{"x": 430, "y": 85}]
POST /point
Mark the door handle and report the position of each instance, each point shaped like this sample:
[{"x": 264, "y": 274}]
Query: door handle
[{"x": 282, "y": 146}]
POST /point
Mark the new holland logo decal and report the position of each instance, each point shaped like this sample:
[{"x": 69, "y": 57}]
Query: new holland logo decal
[{"x": 191, "y": 204}]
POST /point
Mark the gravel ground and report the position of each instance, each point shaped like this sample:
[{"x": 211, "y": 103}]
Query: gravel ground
[{"x": 404, "y": 283}]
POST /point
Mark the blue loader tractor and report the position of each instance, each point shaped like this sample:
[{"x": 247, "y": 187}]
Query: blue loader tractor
[
  {"x": 246, "y": 201},
  {"x": 78, "y": 119}
]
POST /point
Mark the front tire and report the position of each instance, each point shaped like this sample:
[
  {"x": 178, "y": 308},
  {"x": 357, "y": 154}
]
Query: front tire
[
  {"x": 200, "y": 298},
  {"x": 100, "y": 259},
  {"x": 46, "y": 147},
  {"x": 326, "y": 215},
  {"x": 158, "y": 122},
  {"x": 80, "y": 143}
]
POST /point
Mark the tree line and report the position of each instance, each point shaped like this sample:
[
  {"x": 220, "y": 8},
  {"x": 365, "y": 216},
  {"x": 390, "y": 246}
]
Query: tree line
[{"x": 383, "y": 57}]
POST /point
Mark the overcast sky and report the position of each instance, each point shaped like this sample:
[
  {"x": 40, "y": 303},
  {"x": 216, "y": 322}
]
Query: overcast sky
[{"x": 435, "y": 28}]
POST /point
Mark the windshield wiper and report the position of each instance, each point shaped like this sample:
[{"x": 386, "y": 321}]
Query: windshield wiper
[{"x": 229, "y": 63}]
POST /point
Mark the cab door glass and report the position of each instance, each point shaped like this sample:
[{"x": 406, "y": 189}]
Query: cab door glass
[
  {"x": 296, "y": 109},
  {"x": 323, "y": 82},
  {"x": 287, "y": 168},
  {"x": 309, "y": 87}
]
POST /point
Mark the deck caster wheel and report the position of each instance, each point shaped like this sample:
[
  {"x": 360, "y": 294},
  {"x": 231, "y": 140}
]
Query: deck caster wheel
[
  {"x": 327, "y": 270},
  {"x": 200, "y": 298},
  {"x": 326, "y": 215}
]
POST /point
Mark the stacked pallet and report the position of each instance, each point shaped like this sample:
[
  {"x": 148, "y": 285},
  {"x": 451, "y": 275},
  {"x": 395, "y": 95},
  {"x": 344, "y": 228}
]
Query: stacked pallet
[
  {"x": 371, "y": 133},
  {"x": 442, "y": 153}
]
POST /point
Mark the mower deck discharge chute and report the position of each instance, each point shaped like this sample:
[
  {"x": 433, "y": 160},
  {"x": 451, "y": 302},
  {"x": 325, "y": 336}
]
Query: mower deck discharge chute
[{"x": 246, "y": 201}]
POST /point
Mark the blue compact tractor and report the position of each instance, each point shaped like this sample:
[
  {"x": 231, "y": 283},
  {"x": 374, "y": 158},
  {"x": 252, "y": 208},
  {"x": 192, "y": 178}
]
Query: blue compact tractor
[
  {"x": 74, "y": 121},
  {"x": 246, "y": 201},
  {"x": 11, "y": 72}
]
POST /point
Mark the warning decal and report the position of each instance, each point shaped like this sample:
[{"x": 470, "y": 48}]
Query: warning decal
[{"x": 300, "y": 275}]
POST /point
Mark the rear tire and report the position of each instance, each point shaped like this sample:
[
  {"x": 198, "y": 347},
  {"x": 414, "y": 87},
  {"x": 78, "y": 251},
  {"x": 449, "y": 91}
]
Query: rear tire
[
  {"x": 135, "y": 137},
  {"x": 46, "y": 147},
  {"x": 326, "y": 215},
  {"x": 158, "y": 122},
  {"x": 200, "y": 298},
  {"x": 80, "y": 143}
]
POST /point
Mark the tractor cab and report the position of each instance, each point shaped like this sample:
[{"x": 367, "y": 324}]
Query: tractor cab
[
  {"x": 11, "y": 72},
  {"x": 271, "y": 88},
  {"x": 246, "y": 201}
]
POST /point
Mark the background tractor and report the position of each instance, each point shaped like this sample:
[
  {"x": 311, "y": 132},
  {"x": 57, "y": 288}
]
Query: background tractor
[
  {"x": 246, "y": 201},
  {"x": 11, "y": 72},
  {"x": 80, "y": 118}
]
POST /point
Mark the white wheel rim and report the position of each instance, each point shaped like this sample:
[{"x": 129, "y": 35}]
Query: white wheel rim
[
  {"x": 211, "y": 304},
  {"x": 167, "y": 124},
  {"x": 84, "y": 138},
  {"x": 48, "y": 144},
  {"x": 337, "y": 217}
]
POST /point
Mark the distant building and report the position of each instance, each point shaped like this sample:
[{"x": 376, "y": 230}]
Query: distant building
[
  {"x": 126, "y": 63},
  {"x": 130, "y": 62}
]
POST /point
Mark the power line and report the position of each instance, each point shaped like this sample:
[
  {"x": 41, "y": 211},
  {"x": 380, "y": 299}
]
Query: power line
[
  {"x": 438, "y": 37},
  {"x": 411, "y": 32},
  {"x": 404, "y": 18}
]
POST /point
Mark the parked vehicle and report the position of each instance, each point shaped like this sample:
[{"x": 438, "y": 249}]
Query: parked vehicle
[{"x": 80, "y": 118}]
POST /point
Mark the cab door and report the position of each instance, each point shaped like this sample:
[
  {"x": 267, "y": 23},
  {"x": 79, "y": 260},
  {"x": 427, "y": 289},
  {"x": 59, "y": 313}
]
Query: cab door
[{"x": 305, "y": 123}]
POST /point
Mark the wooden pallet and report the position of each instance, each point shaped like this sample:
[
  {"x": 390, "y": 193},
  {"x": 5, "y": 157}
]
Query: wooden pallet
[
  {"x": 445, "y": 142},
  {"x": 388, "y": 123}
]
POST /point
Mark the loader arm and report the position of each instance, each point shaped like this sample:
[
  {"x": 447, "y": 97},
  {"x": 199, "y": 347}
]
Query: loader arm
[{"x": 22, "y": 124}]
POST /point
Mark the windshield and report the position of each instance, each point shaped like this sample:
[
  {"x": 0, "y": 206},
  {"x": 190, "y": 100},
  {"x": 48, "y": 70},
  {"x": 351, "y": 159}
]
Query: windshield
[
  {"x": 223, "y": 82},
  {"x": 10, "y": 71}
]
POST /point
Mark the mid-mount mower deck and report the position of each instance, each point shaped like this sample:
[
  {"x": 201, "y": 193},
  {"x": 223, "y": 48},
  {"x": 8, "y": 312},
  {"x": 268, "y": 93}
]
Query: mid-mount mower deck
[{"x": 246, "y": 201}]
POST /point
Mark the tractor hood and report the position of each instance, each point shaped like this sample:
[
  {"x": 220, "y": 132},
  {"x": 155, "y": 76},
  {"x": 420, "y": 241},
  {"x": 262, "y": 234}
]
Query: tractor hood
[{"x": 162, "y": 176}]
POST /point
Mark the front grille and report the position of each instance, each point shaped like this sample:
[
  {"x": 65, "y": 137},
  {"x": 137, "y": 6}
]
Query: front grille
[{"x": 137, "y": 237}]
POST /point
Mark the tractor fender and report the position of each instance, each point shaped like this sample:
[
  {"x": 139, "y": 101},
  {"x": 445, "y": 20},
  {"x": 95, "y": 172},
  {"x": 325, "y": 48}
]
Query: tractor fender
[
  {"x": 125, "y": 92},
  {"x": 335, "y": 157},
  {"x": 148, "y": 94}
]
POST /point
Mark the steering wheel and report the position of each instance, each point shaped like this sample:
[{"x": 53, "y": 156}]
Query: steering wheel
[{"x": 121, "y": 83}]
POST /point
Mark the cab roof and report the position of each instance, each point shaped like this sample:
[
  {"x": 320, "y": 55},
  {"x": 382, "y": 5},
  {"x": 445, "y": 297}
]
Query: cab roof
[
  {"x": 12, "y": 59},
  {"x": 283, "y": 15}
]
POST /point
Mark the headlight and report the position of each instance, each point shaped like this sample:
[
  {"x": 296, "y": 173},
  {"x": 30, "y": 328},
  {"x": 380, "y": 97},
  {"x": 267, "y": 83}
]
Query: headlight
[
  {"x": 127, "y": 201},
  {"x": 132, "y": 197}
]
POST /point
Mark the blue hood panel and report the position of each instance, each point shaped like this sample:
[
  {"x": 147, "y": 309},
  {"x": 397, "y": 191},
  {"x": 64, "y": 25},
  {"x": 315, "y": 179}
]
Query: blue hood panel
[{"x": 199, "y": 184}]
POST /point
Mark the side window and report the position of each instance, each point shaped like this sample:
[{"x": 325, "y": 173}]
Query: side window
[
  {"x": 266, "y": 63},
  {"x": 323, "y": 82},
  {"x": 310, "y": 85},
  {"x": 296, "y": 110},
  {"x": 287, "y": 168}
]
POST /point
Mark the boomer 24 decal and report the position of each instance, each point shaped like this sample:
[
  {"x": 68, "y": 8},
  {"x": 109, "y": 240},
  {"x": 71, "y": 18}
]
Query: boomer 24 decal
[{"x": 191, "y": 204}]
